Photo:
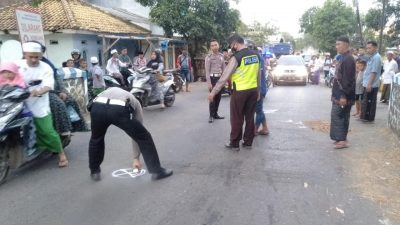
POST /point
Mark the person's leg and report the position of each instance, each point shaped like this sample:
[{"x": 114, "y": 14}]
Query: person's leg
[
  {"x": 374, "y": 97},
  {"x": 237, "y": 118},
  {"x": 217, "y": 100},
  {"x": 249, "y": 112},
  {"x": 47, "y": 138},
  {"x": 188, "y": 80},
  {"x": 364, "y": 105},
  {"x": 132, "y": 127},
  {"x": 346, "y": 112},
  {"x": 212, "y": 104},
  {"x": 259, "y": 114},
  {"x": 100, "y": 123},
  {"x": 119, "y": 77},
  {"x": 337, "y": 123}
]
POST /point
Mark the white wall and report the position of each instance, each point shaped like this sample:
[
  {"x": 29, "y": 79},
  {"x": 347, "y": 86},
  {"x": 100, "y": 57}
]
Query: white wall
[{"x": 58, "y": 53}]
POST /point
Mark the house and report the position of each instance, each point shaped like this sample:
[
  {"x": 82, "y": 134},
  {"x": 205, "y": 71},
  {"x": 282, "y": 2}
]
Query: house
[
  {"x": 93, "y": 29},
  {"x": 72, "y": 24}
]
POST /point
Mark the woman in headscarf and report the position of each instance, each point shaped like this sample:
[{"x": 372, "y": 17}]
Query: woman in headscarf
[{"x": 156, "y": 64}]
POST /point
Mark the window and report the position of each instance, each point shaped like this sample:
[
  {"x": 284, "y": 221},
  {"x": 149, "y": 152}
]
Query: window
[
  {"x": 84, "y": 42},
  {"x": 53, "y": 42}
]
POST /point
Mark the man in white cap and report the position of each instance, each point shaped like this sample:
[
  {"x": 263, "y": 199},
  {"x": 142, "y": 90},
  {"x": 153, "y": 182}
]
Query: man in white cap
[
  {"x": 113, "y": 66},
  {"x": 33, "y": 69},
  {"x": 390, "y": 68},
  {"x": 97, "y": 76}
]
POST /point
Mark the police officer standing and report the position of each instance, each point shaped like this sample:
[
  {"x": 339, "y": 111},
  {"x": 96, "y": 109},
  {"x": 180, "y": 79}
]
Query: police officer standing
[
  {"x": 214, "y": 66},
  {"x": 115, "y": 106},
  {"x": 244, "y": 71}
]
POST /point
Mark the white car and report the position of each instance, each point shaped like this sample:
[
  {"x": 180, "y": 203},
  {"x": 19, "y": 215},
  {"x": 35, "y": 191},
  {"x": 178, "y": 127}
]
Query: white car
[{"x": 290, "y": 69}]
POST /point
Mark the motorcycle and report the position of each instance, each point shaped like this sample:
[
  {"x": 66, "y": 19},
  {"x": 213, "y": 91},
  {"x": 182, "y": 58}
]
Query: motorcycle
[
  {"x": 17, "y": 130},
  {"x": 178, "y": 81},
  {"x": 331, "y": 76},
  {"x": 142, "y": 89}
]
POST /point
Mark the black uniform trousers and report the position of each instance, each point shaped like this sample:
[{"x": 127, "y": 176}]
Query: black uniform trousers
[
  {"x": 214, "y": 105},
  {"x": 104, "y": 115}
]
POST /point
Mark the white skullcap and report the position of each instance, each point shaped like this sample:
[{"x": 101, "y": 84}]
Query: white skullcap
[
  {"x": 94, "y": 59},
  {"x": 390, "y": 52},
  {"x": 114, "y": 51},
  {"x": 32, "y": 47}
]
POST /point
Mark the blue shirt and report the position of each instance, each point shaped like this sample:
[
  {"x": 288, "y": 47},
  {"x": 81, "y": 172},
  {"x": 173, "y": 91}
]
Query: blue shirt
[{"x": 374, "y": 65}]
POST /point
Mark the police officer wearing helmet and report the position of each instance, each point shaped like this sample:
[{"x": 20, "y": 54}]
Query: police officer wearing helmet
[
  {"x": 118, "y": 107},
  {"x": 76, "y": 56},
  {"x": 244, "y": 71}
]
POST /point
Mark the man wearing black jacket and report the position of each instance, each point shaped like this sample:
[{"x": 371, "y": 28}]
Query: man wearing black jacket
[{"x": 343, "y": 94}]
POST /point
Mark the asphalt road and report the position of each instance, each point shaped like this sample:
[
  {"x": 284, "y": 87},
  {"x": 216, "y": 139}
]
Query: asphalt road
[{"x": 292, "y": 177}]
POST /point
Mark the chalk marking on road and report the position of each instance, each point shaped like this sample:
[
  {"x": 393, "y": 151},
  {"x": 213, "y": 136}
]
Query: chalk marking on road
[
  {"x": 340, "y": 210},
  {"x": 128, "y": 173},
  {"x": 270, "y": 111},
  {"x": 385, "y": 222}
]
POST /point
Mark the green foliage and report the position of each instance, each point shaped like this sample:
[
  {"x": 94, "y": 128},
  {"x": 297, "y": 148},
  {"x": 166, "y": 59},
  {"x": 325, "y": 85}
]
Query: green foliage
[
  {"x": 325, "y": 24},
  {"x": 257, "y": 32},
  {"x": 391, "y": 22},
  {"x": 197, "y": 21}
]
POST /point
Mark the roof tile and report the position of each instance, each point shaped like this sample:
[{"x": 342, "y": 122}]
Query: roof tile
[{"x": 70, "y": 14}]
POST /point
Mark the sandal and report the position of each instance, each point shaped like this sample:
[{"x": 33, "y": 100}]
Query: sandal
[{"x": 262, "y": 132}]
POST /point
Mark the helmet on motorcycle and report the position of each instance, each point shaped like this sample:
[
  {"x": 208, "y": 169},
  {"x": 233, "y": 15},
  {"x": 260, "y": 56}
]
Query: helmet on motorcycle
[{"x": 75, "y": 52}]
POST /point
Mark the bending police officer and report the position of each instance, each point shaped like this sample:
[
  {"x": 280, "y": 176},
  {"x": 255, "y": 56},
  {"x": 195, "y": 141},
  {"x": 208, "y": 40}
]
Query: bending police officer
[{"x": 114, "y": 106}]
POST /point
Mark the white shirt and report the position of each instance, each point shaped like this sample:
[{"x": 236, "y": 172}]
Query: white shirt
[
  {"x": 40, "y": 106},
  {"x": 113, "y": 65},
  {"x": 390, "y": 69}
]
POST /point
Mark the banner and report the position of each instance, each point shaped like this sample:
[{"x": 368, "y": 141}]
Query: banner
[{"x": 29, "y": 26}]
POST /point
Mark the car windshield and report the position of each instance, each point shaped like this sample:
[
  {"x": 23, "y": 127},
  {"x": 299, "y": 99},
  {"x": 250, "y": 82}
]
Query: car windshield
[{"x": 291, "y": 60}]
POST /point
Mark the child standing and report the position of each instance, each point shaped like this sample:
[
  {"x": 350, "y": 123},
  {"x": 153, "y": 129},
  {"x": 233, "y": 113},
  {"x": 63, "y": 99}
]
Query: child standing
[
  {"x": 97, "y": 75},
  {"x": 360, "y": 67}
]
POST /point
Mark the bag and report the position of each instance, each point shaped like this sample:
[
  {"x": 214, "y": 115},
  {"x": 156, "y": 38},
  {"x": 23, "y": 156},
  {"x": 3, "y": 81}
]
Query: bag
[
  {"x": 73, "y": 115},
  {"x": 161, "y": 78}
]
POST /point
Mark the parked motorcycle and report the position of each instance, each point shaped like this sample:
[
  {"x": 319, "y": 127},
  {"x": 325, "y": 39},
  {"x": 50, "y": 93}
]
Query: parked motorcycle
[
  {"x": 142, "y": 89},
  {"x": 178, "y": 81},
  {"x": 17, "y": 130}
]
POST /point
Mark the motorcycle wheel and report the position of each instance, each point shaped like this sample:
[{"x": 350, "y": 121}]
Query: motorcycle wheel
[
  {"x": 4, "y": 167},
  {"x": 178, "y": 85},
  {"x": 171, "y": 101}
]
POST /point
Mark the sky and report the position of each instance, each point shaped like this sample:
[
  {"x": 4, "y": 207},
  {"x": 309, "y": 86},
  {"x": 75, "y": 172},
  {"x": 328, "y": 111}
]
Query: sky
[{"x": 284, "y": 14}]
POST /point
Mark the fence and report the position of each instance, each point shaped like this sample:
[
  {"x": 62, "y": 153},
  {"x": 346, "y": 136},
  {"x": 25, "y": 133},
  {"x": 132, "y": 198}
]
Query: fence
[{"x": 394, "y": 107}]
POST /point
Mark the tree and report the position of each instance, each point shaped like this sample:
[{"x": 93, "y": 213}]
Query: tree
[
  {"x": 325, "y": 24},
  {"x": 257, "y": 32},
  {"x": 390, "y": 22},
  {"x": 304, "y": 42},
  {"x": 196, "y": 20}
]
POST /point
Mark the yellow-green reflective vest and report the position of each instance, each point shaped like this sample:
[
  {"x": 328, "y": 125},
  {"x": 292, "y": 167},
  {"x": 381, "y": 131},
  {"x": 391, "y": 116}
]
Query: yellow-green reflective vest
[{"x": 246, "y": 74}]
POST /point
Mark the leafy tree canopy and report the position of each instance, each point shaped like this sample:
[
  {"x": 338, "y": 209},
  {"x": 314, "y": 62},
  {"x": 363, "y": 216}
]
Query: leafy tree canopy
[{"x": 325, "y": 24}]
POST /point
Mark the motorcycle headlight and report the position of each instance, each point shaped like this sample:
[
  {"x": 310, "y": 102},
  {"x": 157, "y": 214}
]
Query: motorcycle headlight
[{"x": 8, "y": 116}]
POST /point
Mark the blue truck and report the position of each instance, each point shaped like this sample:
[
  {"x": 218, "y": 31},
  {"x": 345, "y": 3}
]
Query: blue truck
[{"x": 282, "y": 49}]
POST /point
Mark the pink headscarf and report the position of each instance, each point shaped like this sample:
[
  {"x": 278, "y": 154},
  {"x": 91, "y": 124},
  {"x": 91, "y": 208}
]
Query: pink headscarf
[{"x": 18, "y": 79}]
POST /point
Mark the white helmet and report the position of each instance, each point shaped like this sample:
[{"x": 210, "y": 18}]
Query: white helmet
[{"x": 94, "y": 59}]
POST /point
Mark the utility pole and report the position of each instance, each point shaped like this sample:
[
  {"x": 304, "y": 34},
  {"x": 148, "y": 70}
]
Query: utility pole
[
  {"x": 356, "y": 5},
  {"x": 384, "y": 2}
]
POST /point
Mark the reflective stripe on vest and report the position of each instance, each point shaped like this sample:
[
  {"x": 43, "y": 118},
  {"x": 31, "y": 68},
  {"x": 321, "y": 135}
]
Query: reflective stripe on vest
[{"x": 245, "y": 76}]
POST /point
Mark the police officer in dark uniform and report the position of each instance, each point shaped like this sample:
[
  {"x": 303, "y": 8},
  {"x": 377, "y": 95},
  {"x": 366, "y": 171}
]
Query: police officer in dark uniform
[
  {"x": 214, "y": 66},
  {"x": 115, "y": 106},
  {"x": 244, "y": 71}
]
